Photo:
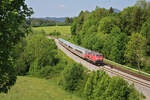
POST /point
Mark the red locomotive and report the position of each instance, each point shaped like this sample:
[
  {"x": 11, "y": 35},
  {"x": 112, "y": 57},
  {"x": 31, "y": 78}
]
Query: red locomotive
[{"x": 89, "y": 55}]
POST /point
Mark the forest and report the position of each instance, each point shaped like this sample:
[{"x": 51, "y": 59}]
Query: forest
[{"x": 123, "y": 37}]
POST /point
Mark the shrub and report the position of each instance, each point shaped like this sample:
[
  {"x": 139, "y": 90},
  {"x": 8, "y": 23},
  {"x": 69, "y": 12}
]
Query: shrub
[
  {"x": 71, "y": 76},
  {"x": 46, "y": 72},
  {"x": 55, "y": 33}
]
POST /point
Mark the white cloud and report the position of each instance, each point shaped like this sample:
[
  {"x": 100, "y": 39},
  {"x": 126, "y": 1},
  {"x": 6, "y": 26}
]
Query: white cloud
[{"x": 61, "y": 6}]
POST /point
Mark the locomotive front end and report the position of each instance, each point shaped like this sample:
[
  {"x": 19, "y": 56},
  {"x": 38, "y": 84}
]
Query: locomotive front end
[{"x": 99, "y": 59}]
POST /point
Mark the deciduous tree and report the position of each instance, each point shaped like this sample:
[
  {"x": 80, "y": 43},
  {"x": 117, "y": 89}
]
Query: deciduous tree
[
  {"x": 135, "y": 50},
  {"x": 13, "y": 15}
]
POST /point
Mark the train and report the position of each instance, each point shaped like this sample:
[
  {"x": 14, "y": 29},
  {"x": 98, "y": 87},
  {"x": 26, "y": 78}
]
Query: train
[{"x": 89, "y": 55}]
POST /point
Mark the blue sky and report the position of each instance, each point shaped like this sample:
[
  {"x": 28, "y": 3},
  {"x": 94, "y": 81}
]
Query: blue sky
[{"x": 71, "y": 8}]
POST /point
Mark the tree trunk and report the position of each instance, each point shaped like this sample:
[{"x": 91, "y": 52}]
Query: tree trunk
[{"x": 139, "y": 66}]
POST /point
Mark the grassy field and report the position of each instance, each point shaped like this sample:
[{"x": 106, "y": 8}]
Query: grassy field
[
  {"x": 50, "y": 29},
  {"x": 30, "y": 88}
]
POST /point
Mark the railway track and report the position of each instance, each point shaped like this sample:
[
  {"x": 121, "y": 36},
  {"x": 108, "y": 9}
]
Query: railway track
[
  {"x": 134, "y": 80},
  {"x": 142, "y": 85}
]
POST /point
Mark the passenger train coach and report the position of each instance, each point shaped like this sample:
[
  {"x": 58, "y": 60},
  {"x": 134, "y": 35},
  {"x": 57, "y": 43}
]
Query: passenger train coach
[{"x": 92, "y": 56}]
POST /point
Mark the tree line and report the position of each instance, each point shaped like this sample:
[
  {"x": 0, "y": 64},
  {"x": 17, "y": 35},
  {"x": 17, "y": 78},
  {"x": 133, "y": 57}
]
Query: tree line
[
  {"x": 123, "y": 37},
  {"x": 40, "y": 22}
]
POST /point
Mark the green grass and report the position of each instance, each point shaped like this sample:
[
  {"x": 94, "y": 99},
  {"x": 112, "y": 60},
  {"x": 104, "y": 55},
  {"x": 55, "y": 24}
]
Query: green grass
[
  {"x": 65, "y": 31},
  {"x": 50, "y": 29},
  {"x": 30, "y": 88}
]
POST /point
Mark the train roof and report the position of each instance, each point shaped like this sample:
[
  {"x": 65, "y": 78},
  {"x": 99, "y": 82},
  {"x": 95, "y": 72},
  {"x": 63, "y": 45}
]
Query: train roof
[
  {"x": 72, "y": 45},
  {"x": 77, "y": 47}
]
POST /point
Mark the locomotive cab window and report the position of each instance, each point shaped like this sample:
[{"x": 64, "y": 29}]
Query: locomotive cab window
[{"x": 97, "y": 55}]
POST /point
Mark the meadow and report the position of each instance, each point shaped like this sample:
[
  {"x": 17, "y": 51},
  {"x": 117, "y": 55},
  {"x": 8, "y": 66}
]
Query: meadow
[
  {"x": 31, "y": 88},
  {"x": 50, "y": 29}
]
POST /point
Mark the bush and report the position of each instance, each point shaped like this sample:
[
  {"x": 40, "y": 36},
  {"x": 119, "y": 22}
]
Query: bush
[
  {"x": 96, "y": 84},
  {"x": 20, "y": 66},
  {"x": 147, "y": 68},
  {"x": 46, "y": 72},
  {"x": 55, "y": 33},
  {"x": 71, "y": 76}
]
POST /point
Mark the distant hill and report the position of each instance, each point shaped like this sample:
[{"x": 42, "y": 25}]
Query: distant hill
[
  {"x": 116, "y": 10},
  {"x": 60, "y": 19}
]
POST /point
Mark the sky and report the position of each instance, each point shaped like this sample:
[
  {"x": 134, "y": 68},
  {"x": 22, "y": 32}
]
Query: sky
[{"x": 71, "y": 8}]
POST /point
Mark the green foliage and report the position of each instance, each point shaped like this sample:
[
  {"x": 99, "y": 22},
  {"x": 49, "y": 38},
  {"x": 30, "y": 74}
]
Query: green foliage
[
  {"x": 68, "y": 21},
  {"x": 107, "y": 23},
  {"x": 147, "y": 68},
  {"x": 146, "y": 30},
  {"x": 13, "y": 26},
  {"x": 146, "y": 33},
  {"x": 71, "y": 76},
  {"x": 40, "y": 52},
  {"x": 136, "y": 50},
  {"x": 118, "y": 89},
  {"x": 132, "y": 19},
  {"x": 78, "y": 22},
  {"x": 36, "y": 55},
  {"x": 20, "y": 66},
  {"x": 118, "y": 48},
  {"x": 37, "y": 22},
  {"x": 55, "y": 33},
  {"x": 100, "y": 86},
  {"x": 111, "y": 10},
  {"x": 93, "y": 86},
  {"x": 88, "y": 90},
  {"x": 46, "y": 72},
  {"x": 134, "y": 94}
]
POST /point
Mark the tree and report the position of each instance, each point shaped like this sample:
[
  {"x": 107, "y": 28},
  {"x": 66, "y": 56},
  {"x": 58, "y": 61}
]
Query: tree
[
  {"x": 96, "y": 84},
  {"x": 68, "y": 21},
  {"x": 148, "y": 9},
  {"x": 138, "y": 18},
  {"x": 118, "y": 46},
  {"x": 107, "y": 23},
  {"x": 102, "y": 85},
  {"x": 132, "y": 19},
  {"x": 135, "y": 50},
  {"x": 111, "y": 10},
  {"x": 13, "y": 15},
  {"x": 107, "y": 46},
  {"x": 39, "y": 52},
  {"x": 145, "y": 31},
  {"x": 71, "y": 76},
  {"x": 118, "y": 89},
  {"x": 141, "y": 3},
  {"x": 91, "y": 84}
]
